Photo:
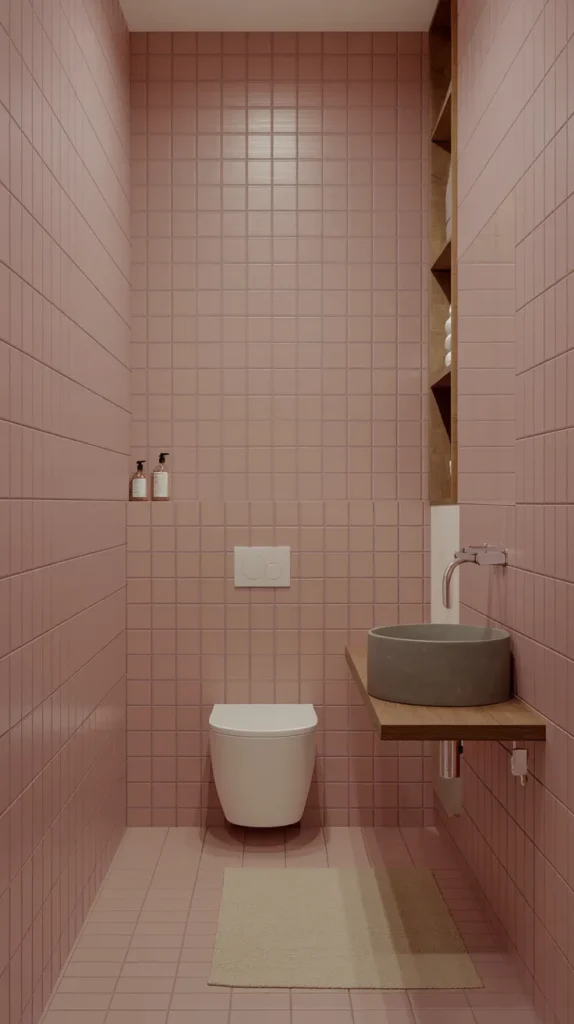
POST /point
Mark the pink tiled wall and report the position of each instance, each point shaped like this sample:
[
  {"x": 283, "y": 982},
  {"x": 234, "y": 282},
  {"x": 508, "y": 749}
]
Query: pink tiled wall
[
  {"x": 64, "y": 398},
  {"x": 278, "y": 236},
  {"x": 516, "y": 413}
]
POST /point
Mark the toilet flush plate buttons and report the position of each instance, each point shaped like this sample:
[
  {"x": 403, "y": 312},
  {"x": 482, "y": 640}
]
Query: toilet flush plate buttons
[{"x": 262, "y": 567}]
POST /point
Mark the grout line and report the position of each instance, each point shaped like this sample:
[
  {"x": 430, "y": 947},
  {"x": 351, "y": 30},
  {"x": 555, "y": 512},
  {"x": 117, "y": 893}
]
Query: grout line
[
  {"x": 65, "y": 256},
  {"x": 193, "y": 888},
  {"x": 59, "y": 625},
  {"x": 66, "y": 437},
  {"x": 57, "y": 371},
  {"x": 69, "y": 739},
  {"x": 52, "y": 565},
  {"x": 86, "y": 922},
  {"x": 137, "y": 919}
]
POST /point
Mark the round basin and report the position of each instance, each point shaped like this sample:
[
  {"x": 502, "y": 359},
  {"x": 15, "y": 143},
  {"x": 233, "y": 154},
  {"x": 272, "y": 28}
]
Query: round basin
[{"x": 439, "y": 665}]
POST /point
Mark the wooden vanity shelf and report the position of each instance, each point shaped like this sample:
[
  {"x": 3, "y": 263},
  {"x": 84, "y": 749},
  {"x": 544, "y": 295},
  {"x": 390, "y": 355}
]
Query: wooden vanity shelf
[
  {"x": 442, "y": 380},
  {"x": 512, "y": 720}
]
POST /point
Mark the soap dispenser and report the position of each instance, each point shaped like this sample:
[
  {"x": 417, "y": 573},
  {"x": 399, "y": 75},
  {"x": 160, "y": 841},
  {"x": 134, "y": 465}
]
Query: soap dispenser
[
  {"x": 138, "y": 483},
  {"x": 160, "y": 486}
]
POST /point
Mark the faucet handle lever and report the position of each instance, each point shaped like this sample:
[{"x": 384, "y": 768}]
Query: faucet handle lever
[
  {"x": 487, "y": 554},
  {"x": 467, "y": 554}
]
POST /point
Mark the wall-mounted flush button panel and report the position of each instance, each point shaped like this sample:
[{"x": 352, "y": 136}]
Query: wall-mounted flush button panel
[{"x": 262, "y": 567}]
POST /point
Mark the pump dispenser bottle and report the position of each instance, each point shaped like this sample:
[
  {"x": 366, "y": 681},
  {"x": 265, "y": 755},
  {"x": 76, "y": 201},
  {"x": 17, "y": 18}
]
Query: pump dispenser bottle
[
  {"x": 160, "y": 485},
  {"x": 138, "y": 483}
]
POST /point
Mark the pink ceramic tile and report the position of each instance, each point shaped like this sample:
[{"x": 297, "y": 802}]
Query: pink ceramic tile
[
  {"x": 176, "y": 877},
  {"x": 259, "y": 1016},
  {"x": 267, "y": 414},
  {"x": 315, "y": 1000},
  {"x": 512, "y": 246},
  {"x": 444, "y": 1016},
  {"x": 513, "y": 1017},
  {"x": 65, "y": 299},
  {"x": 259, "y": 1000},
  {"x": 321, "y": 1016},
  {"x": 382, "y": 1002},
  {"x": 276, "y": 417},
  {"x": 384, "y": 1016}
]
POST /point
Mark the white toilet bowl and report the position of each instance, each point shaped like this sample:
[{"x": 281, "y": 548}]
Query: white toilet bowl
[{"x": 263, "y": 757}]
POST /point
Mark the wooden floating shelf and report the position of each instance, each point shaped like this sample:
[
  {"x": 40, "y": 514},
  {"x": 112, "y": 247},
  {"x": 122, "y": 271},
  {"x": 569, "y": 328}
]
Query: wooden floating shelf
[
  {"x": 512, "y": 720},
  {"x": 441, "y": 378},
  {"x": 442, "y": 263},
  {"x": 441, "y": 133}
]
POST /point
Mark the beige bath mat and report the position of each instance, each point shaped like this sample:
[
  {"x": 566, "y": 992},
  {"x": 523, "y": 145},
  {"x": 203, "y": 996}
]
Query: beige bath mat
[{"x": 327, "y": 928}]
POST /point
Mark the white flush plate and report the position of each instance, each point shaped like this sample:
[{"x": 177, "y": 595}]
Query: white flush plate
[{"x": 262, "y": 567}]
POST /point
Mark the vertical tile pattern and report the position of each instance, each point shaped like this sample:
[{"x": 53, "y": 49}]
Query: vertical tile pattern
[
  {"x": 517, "y": 452},
  {"x": 279, "y": 224},
  {"x": 64, "y": 401}
]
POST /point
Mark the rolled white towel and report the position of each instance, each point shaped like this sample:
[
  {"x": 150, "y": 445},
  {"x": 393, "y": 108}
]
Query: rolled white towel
[
  {"x": 448, "y": 359},
  {"x": 448, "y": 343},
  {"x": 448, "y": 325}
]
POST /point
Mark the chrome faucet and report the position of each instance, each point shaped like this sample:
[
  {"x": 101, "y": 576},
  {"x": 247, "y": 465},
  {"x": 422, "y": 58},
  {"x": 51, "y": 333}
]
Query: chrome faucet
[{"x": 485, "y": 555}]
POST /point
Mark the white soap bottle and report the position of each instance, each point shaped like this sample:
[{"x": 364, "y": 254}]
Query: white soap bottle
[
  {"x": 138, "y": 483},
  {"x": 160, "y": 480}
]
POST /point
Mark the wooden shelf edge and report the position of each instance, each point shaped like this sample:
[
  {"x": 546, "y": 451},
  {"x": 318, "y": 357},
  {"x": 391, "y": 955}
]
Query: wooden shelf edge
[
  {"x": 443, "y": 261},
  {"x": 435, "y": 503},
  {"x": 442, "y": 131},
  {"x": 441, "y": 20},
  {"x": 441, "y": 378},
  {"x": 512, "y": 720}
]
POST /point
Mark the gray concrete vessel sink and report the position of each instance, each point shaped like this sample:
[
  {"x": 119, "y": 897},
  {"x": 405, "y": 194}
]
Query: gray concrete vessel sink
[{"x": 439, "y": 665}]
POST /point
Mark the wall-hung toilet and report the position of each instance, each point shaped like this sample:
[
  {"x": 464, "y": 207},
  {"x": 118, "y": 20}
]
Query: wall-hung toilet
[{"x": 263, "y": 757}]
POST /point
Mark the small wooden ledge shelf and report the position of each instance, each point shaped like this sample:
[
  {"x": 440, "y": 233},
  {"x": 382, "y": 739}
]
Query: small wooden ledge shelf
[
  {"x": 442, "y": 131},
  {"x": 441, "y": 378},
  {"x": 443, "y": 260},
  {"x": 513, "y": 720}
]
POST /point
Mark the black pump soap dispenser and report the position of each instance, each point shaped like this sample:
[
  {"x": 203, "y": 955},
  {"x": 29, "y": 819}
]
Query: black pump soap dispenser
[{"x": 160, "y": 480}]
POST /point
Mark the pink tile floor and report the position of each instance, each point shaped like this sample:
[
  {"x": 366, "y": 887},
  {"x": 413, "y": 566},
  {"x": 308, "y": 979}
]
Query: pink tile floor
[{"x": 144, "y": 954}]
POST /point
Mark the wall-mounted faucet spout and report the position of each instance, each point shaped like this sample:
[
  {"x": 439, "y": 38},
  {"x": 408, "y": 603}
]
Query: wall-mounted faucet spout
[
  {"x": 458, "y": 559},
  {"x": 485, "y": 555}
]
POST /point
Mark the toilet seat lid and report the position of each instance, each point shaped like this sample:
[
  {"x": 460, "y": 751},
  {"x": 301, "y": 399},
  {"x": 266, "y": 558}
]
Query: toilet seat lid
[{"x": 263, "y": 719}]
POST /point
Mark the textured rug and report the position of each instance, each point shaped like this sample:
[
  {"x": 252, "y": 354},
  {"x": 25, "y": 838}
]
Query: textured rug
[{"x": 328, "y": 928}]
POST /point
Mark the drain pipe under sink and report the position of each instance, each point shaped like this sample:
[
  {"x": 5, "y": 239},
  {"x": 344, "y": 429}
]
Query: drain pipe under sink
[{"x": 449, "y": 759}]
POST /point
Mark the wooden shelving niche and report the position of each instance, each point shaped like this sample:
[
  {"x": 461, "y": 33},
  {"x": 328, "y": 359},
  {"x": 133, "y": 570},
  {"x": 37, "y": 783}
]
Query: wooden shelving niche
[{"x": 442, "y": 380}]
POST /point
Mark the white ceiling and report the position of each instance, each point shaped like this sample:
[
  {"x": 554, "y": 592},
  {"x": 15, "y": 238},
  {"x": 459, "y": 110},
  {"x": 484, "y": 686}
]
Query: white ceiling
[{"x": 278, "y": 15}]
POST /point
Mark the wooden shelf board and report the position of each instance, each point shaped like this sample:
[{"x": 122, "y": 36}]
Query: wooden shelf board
[
  {"x": 442, "y": 131},
  {"x": 441, "y": 378},
  {"x": 442, "y": 20},
  {"x": 512, "y": 720},
  {"x": 442, "y": 263}
]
